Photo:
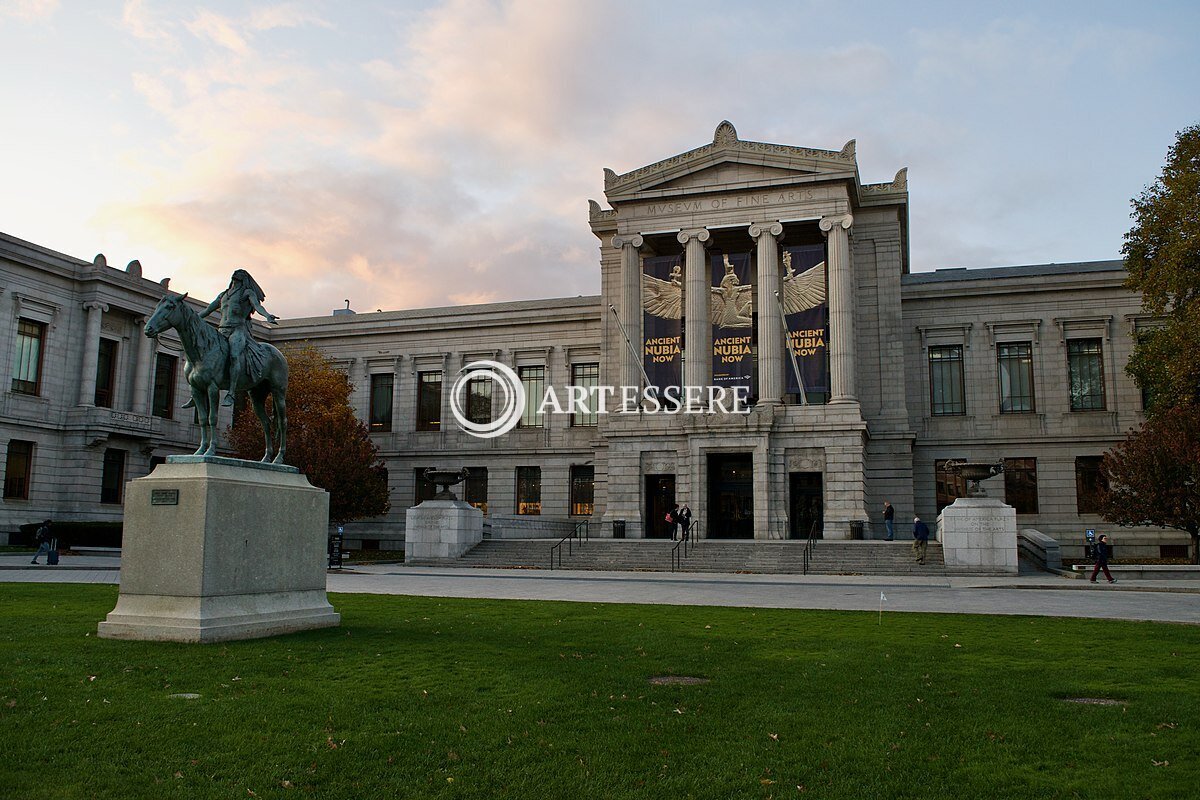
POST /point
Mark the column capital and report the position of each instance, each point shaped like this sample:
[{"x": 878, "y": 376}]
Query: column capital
[
  {"x": 843, "y": 221},
  {"x": 95, "y": 305},
  {"x": 758, "y": 229},
  {"x": 634, "y": 240},
  {"x": 699, "y": 234}
]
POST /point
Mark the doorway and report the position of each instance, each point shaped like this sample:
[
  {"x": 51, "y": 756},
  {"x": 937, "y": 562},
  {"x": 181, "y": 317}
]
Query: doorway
[
  {"x": 805, "y": 505},
  {"x": 660, "y": 498},
  {"x": 730, "y": 496}
]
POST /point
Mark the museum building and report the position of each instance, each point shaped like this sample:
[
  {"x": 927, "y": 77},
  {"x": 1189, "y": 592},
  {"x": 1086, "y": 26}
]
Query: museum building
[{"x": 763, "y": 268}]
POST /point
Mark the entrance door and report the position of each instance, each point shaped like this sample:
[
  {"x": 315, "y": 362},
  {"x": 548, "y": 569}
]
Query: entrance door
[
  {"x": 805, "y": 507},
  {"x": 730, "y": 496},
  {"x": 660, "y": 498}
]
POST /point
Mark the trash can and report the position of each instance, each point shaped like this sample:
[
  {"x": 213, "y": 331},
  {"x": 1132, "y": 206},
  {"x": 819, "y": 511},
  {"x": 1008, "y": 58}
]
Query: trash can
[
  {"x": 618, "y": 529},
  {"x": 856, "y": 530}
]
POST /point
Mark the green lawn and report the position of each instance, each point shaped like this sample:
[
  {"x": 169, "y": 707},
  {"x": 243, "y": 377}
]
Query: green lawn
[{"x": 416, "y": 697}]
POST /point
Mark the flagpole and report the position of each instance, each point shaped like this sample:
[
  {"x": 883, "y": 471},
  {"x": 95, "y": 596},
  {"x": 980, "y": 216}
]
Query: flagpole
[
  {"x": 787, "y": 342},
  {"x": 632, "y": 350}
]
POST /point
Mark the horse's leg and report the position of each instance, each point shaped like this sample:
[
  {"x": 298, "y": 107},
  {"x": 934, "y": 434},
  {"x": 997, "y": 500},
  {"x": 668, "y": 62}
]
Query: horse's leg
[
  {"x": 211, "y": 418},
  {"x": 201, "y": 416},
  {"x": 258, "y": 395},
  {"x": 279, "y": 396}
]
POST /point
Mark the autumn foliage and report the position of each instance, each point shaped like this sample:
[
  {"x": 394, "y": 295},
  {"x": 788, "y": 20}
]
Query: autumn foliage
[
  {"x": 325, "y": 440},
  {"x": 1154, "y": 475}
]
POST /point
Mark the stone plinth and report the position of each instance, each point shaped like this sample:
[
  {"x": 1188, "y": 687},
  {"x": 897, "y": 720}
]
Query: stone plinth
[
  {"x": 979, "y": 535},
  {"x": 438, "y": 529},
  {"x": 217, "y": 549}
]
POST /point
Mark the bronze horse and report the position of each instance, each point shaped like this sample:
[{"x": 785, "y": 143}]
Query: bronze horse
[{"x": 207, "y": 372}]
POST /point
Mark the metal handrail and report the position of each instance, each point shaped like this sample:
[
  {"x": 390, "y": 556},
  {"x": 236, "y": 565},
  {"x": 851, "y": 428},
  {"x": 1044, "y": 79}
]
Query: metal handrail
[
  {"x": 685, "y": 544},
  {"x": 575, "y": 533},
  {"x": 810, "y": 546}
]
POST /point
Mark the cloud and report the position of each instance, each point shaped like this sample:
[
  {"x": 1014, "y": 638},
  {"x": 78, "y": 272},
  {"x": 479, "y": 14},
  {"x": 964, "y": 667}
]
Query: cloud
[
  {"x": 28, "y": 10},
  {"x": 218, "y": 29},
  {"x": 286, "y": 15}
]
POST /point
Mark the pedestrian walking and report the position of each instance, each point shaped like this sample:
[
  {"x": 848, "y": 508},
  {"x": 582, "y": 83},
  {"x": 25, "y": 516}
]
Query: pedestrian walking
[
  {"x": 920, "y": 539},
  {"x": 42, "y": 539},
  {"x": 684, "y": 517},
  {"x": 889, "y": 517},
  {"x": 1102, "y": 560}
]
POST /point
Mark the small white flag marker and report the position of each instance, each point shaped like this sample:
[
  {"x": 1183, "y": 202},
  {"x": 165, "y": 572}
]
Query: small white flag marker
[{"x": 882, "y": 599}]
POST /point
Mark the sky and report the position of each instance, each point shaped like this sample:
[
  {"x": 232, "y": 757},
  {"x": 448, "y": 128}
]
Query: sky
[{"x": 412, "y": 154}]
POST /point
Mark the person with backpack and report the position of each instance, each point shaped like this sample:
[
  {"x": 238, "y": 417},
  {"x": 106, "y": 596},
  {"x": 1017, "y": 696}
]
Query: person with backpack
[
  {"x": 920, "y": 539},
  {"x": 1102, "y": 553},
  {"x": 42, "y": 539}
]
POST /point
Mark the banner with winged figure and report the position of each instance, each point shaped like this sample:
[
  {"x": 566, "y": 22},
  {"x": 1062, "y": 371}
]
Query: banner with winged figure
[
  {"x": 732, "y": 305},
  {"x": 806, "y": 313},
  {"x": 662, "y": 309}
]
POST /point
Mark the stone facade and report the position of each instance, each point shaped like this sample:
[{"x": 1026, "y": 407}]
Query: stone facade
[{"x": 875, "y": 436}]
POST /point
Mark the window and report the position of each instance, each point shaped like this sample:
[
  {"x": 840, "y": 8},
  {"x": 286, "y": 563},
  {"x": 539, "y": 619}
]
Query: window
[
  {"x": 583, "y": 490},
  {"x": 1015, "y": 368},
  {"x": 1089, "y": 483},
  {"x": 424, "y": 488},
  {"x": 381, "y": 402},
  {"x": 586, "y": 376},
  {"x": 950, "y": 485},
  {"x": 27, "y": 361},
  {"x": 113, "y": 480},
  {"x": 1085, "y": 366},
  {"x": 1020, "y": 484},
  {"x": 164, "y": 386},
  {"x": 529, "y": 490},
  {"x": 534, "y": 381},
  {"x": 479, "y": 400},
  {"x": 106, "y": 371},
  {"x": 18, "y": 469},
  {"x": 429, "y": 401},
  {"x": 475, "y": 488},
  {"x": 946, "y": 380}
]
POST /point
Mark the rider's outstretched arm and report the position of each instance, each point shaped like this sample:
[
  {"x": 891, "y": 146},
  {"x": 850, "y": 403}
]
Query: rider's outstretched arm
[
  {"x": 269, "y": 317},
  {"x": 212, "y": 306}
]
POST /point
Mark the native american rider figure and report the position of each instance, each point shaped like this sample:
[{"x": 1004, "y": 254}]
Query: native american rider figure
[{"x": 246, "y": 356}]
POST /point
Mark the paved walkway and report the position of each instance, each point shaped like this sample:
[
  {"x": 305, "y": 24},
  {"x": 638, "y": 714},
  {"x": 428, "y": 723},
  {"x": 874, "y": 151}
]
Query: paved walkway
[{"x": 1039, "y": 595}]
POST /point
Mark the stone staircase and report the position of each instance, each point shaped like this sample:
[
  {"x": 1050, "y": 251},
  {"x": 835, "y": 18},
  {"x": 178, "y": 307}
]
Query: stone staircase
[{"x": 829, "y": 557}]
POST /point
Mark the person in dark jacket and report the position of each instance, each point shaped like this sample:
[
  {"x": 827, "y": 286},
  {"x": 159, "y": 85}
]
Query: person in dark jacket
[
  {"x": 1102, "y": 560},
  {"x": 42, "y": 537},
  {"x": 920, "y": 539},
  {"x": 889, "y": 516},
  {"x": 684, "y": 517}
]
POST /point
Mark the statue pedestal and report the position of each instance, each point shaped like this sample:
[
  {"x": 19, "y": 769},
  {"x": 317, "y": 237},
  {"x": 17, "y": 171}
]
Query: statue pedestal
[
  {"x": 440, "y": 529},
  {"x": 979, "y": 535},
  {"x": 217, "y": 549}
]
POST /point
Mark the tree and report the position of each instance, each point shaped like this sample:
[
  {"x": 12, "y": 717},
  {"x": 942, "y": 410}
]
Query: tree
[
  {"x": 1162, "y": 255},
  {"x": 324, "y": 438},
  {"x": 1154, "y": 475}
]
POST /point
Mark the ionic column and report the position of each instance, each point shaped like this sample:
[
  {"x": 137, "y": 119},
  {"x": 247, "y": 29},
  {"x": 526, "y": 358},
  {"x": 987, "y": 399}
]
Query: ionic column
[
  {"x": 91, "y": 353},
  {"x": 697, "y": 339},
  {"x": 140, "y": 403},
  {"x": 631, "y": 305},
  {"x": 841, "y": 309},
  {"x": 770, "y": 326}
]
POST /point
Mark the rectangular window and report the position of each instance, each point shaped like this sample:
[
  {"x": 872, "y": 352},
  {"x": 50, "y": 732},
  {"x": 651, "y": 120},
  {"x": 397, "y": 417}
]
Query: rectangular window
[
  {"x": 946, "y": 380},
  {"x": 586, "y": 376},
  {"x": 583, "y": 490},
  {"x": 1020, "y": 484},
  {"x": 529, "y": 490},
  {"x": 113, "y": 481},
  {"x": 18, "y": 470},
  {"x": 479, "y": 400},
  {"x": 429, "y": 401},
  {"x": 1085, "y": 366},
  {"x": 1089, "y": 483},
  {"x": 950, "y": 485},
  {"x": 165, "y": 367},
  {"x": 475, "y": 488},
  {"x": 424, "y": 488},
  {"x": 534, "y": 381},
  {"x": 27, "y": 360},
  {"x": 106, "y": 373},
  {"x": 1015, "y": 368},
  {"x": 381, "y": 402}
]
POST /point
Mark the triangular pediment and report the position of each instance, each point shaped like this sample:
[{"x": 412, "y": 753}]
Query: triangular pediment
[{"x": 728, "y": 160}]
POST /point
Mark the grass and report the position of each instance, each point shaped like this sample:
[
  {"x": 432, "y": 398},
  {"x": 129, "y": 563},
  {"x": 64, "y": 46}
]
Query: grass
[{"x": 421, "y": 697}]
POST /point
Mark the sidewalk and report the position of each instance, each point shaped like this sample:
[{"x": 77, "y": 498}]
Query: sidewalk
[{"x": 1034, "y": 595}]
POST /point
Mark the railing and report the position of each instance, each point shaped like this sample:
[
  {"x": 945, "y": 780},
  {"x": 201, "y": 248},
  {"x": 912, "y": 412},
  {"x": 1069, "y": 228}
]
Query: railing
[
  {"x": 684, "y": 547},
  {"x": 580, "y": 532},
  {"x": 810, "y": 545}
]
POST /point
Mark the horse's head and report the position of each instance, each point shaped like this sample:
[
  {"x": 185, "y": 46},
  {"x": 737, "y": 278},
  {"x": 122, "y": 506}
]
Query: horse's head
[{"x": 165, "y": 315}]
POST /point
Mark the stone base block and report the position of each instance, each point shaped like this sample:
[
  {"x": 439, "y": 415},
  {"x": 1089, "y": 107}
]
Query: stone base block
[
  {"x": 440, "y": 529},
  {"x": 979, "y": 536},
  {"x": 216, "y": 549}
]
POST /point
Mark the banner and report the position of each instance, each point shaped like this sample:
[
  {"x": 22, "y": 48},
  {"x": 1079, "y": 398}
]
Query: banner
[
  {"x": 662, "y": 308},
  {"x": 806, "y": 313},
  {"x": 732, "y": 306}
]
